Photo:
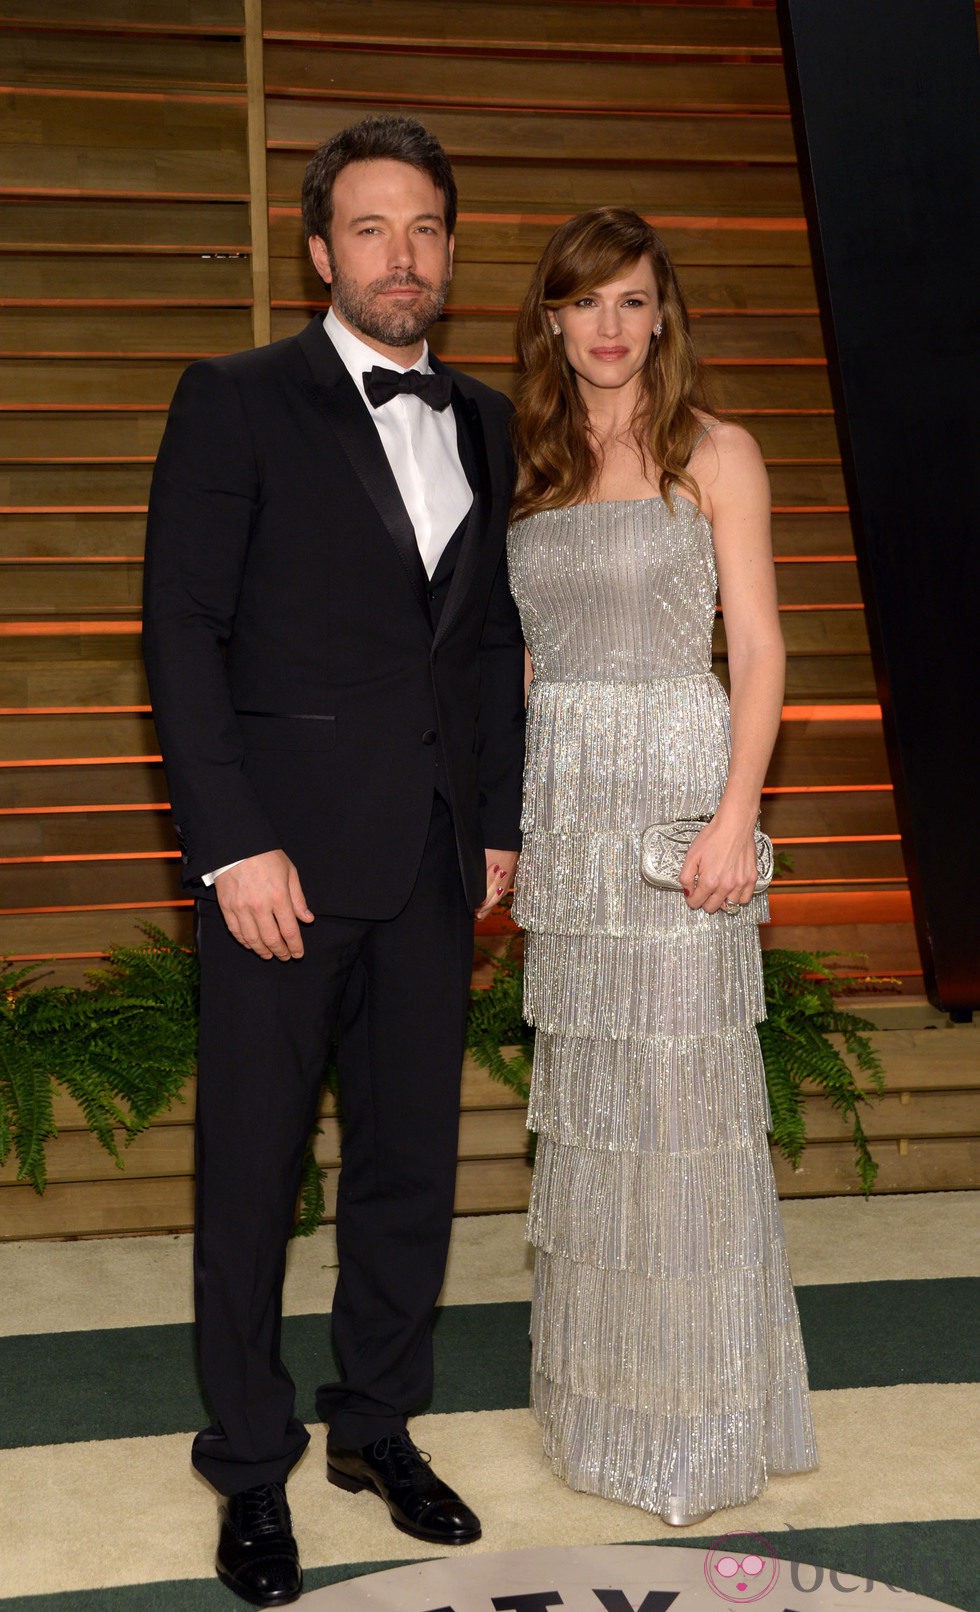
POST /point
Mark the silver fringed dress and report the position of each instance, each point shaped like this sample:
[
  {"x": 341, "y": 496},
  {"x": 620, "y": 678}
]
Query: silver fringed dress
[{"x": 668, "y": 1367}]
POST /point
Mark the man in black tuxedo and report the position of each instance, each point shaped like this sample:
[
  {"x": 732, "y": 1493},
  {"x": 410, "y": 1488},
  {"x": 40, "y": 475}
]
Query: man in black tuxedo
[{"x": 335, "y": 663}]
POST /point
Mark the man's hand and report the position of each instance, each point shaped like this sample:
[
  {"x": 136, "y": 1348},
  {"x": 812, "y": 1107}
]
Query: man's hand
[
  {"x": 501, "y": 867},
  {"x": 262, "y": 899}
]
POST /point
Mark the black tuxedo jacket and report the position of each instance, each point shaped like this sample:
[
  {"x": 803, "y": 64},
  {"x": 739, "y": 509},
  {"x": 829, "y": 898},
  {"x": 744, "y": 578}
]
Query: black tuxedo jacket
[{"x": 310, "y": 686}]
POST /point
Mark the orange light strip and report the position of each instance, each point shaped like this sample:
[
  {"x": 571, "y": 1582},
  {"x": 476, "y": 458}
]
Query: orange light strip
[
  {"x": 138, "y": 303},
  {"x": 153, "y": 96},
  {"x": 74, "y": 710},
  {"x": 99, "y": 906},
  {"x": 65, "y": 629},
  {"x": 67, "y": 811},
  {"x": 90, "y": 856},
  {"x": 834, "y": 839},
  {"x": 83, "y": 761},
  {"x": 71, "y": 559},
  {"x": 843, "y": 882},
  {"x": 826, "y": 789},
  {"x": 56, "y": 957},
  {"x": 831, "y": 713},
  {"x": 79, "y": 459},
  {"x": 72, "y": 509},
  {"x": 83, "y": 408}
]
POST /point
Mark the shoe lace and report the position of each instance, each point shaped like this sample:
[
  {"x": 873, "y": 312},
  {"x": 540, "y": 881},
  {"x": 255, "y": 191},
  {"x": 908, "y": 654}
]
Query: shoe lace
[
  {"x": 403, "y": 1454},
  {"x": 263, "y": 1511}
]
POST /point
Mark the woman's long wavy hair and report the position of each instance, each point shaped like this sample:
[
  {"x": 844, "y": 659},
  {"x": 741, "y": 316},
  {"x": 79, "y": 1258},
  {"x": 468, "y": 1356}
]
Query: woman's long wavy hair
[{"x": 557, "y": 459}]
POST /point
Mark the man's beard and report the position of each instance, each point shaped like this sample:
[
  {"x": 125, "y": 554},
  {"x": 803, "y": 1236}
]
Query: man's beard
[{"x": 395, "y": 326}]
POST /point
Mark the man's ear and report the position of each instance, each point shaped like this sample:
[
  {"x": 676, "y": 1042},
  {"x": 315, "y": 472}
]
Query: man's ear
[
  {"x": 321, "y": 258},
  {"x": 452, "y": 248}
]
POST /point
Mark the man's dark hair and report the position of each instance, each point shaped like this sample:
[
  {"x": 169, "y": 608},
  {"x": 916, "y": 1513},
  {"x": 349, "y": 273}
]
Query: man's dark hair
[{"x": 399, "y": 139}]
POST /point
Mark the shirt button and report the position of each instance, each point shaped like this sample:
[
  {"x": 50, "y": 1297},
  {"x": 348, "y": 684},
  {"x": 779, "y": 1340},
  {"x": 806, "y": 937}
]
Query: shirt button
[{"x": 429, "y": 736}]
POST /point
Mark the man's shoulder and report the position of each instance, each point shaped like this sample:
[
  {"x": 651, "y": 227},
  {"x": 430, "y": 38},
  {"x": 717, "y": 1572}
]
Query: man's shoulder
[{"x": 254, "y": 363}]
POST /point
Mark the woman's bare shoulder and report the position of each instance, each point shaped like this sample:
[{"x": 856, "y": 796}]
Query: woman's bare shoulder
[{"x": 729, "y": 441}]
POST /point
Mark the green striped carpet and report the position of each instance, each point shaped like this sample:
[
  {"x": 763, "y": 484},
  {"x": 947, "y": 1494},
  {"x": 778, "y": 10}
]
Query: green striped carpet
[{"x": 98, "y": 1394}]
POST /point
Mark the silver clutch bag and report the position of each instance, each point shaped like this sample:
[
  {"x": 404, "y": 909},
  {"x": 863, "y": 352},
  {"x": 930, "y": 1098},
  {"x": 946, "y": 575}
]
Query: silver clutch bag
[{"x": 664, "y": 847}]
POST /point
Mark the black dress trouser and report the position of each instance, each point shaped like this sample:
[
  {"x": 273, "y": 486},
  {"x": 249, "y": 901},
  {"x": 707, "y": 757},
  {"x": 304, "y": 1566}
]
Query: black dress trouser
[{"x": 396, "y": 992}]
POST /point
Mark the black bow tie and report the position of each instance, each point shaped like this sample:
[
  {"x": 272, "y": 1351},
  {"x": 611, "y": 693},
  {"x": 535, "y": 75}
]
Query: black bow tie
[{"x": 381, "y": 385}]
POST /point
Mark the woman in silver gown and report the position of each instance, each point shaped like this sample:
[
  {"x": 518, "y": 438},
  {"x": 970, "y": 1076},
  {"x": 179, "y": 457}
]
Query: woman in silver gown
[{"x": 668, "y": 1367}]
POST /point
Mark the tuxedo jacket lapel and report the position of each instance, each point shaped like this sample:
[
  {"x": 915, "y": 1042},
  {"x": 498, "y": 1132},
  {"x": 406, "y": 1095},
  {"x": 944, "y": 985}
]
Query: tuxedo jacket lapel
[
  {"x": 338, "y": 398},
  {"x": 473, "y": 455}
]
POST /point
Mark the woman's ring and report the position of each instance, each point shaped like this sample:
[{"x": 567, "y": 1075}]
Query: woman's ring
[{"x": 730, "y": 906}]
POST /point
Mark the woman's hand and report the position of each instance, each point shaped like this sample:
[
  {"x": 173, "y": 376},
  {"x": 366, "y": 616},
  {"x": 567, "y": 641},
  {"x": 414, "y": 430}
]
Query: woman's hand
[{"x": 720, "y": 868}]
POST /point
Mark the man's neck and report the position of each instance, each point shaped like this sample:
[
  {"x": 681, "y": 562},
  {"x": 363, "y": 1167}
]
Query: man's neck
[{"x": 404, "y": 357}]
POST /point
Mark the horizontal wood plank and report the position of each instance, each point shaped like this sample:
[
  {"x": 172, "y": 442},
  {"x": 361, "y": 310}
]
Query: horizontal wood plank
[
  {"x": 82, "y": 381},
  {"x": 507, "y": 184},
  {"x": 862, "y": 948},
  {"x": 65, "y": 226},
  {"x": 554, "y": 27},
  {"x": 80, "y": 59},
  {"x": 734, "y": 138},
  {"x": 827, "y": 1169},
  {"x": 130, "y": 332},
  {"x": 102, "y": 1209},
  {"x": 157, "y": 16},
  {"x": 459, "y": 76},
  {"x": 141, "y": 278},
  {"x": 63, "y": 143}
]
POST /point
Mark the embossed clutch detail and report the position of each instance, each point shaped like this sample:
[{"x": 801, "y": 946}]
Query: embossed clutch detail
[{"x": 664, "y": 847}]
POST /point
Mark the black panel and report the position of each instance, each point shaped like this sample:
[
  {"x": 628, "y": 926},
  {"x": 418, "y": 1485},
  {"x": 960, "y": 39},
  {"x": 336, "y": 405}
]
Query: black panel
[{"x": 886, "y": 107}]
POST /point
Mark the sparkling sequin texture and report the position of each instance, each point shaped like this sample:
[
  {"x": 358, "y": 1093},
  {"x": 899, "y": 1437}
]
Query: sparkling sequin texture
[{"x": 668, "y": 1367}]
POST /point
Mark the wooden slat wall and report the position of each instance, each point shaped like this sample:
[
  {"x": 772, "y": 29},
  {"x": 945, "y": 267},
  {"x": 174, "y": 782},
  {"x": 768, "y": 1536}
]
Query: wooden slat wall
[
  {"x": 125, "y": 251},
  {"x": 679, "y": 111}
]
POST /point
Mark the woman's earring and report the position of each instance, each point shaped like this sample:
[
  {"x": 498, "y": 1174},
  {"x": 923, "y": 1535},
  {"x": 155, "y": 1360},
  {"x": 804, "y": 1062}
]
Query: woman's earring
[
  {"x": 657, "y": 329},
  {"x": 556, "y": 330}
]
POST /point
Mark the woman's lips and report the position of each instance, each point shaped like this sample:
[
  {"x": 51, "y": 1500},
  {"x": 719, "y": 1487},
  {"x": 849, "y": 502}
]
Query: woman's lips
[{"x": 608, "y": 352}]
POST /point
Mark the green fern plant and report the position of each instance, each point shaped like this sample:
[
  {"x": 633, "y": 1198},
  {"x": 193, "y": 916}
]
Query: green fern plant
[
  {"x": 496, "y": 1021},
  {"x": 798, "y": 1054},
  {"x": 124, "y": 1047}
]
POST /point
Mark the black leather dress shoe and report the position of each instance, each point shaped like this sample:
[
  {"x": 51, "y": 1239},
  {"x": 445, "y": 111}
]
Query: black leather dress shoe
[
  {"x": 257, "y": 1556},
  {"x": 419, "y": 1502}
]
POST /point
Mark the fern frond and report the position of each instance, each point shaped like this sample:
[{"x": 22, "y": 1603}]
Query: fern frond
[{"x": 312, "y": 1203}]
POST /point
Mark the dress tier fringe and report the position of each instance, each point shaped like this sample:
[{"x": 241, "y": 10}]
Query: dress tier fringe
[{"x": 668, "y": 1366}]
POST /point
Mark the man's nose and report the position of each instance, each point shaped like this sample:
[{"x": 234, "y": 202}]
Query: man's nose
[{"x": 401, "y": 250}]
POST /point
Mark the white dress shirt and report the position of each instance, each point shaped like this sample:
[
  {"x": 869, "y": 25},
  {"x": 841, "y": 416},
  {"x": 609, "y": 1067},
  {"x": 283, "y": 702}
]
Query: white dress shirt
[{"x": 420, "y": 446}]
